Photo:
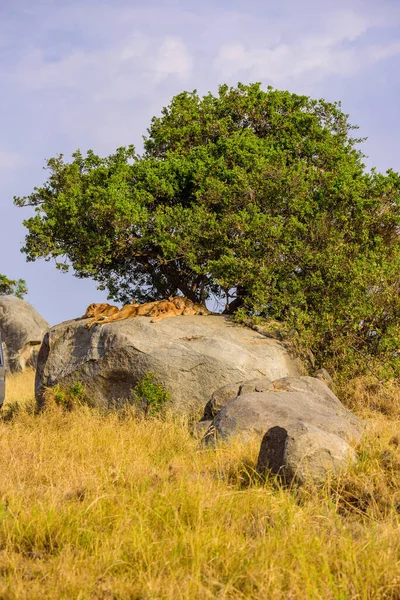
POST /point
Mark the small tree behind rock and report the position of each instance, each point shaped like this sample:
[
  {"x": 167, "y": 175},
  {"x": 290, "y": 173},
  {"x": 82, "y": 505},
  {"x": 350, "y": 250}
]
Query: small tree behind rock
[{"x": 13, "y": 287}]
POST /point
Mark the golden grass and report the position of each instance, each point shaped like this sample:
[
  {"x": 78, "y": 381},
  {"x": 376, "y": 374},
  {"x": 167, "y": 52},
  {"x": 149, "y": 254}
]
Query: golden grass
[
  {"x": 368, "y": 395},
  {"x": 113, "y": 507},
  {"x": 20, "y": 387}
]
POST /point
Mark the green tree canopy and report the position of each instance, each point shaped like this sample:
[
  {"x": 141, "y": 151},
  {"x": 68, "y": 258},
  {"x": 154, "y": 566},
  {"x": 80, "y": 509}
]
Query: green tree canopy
[
  {"x": 14, "y": 287},
  {"x": 261, "y": 196}
]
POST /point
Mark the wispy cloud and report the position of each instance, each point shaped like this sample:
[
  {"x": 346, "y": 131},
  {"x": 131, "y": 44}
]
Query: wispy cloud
[
  {"x": 173, "y": 59},
  {"x": 95, "y": 72},
  {"x": 10, "y": 161},
  {"x": 337, "y": 47},
  {"x": 108, "y": 73},
  {"x": 82, "y": 86},
  {"x": 378, "y": 52}
]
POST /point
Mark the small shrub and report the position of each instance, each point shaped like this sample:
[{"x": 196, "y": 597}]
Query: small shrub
[
  {"x": 77, "y": 390},
  {"x": 149, "y": 396},
  {"x": 68, "y": 398}
]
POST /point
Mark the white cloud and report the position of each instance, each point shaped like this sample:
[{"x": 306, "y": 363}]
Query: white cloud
[
  {"x": 379, "y": 52},
  {"x": 10, "y": 160},
  {"x": 173, "y": 59},
  {"x": 103, "y": 90},
  {"x": 285, "y": 62},
  {"x": 347, "y": 25},
  {"x": 134, "y": 47},
  {"x": 120, "y": 72},
  {"x": 334, "y": 49},
  {"x": 36, "y": 73}
]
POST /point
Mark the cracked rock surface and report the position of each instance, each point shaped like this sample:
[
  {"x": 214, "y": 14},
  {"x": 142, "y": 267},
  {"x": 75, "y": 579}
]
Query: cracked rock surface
[{"x": 190, "y": 355}]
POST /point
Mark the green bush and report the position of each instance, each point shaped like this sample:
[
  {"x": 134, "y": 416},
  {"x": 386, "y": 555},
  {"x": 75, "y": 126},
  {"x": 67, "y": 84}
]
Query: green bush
[
  {"x": 149, "y": 396},
  {"x": 14, "y": 287},
  {"x": 68, "y": 398}
]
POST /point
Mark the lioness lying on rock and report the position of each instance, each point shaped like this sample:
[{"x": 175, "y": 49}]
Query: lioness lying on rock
[
  {"x": 177, "y": 305},
  {"x": 193, "y": 308},
  {"x": 96, "y": 311},
  {"x": 160, "y": 309}
]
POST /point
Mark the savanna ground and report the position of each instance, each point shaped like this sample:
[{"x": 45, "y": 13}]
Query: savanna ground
[{"x": 112, "y": 506}]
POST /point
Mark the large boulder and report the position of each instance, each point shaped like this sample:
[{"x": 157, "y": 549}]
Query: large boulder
[
  {"x": 305, "y": 429},
  {"x": 284, "y": 402},
  {"x": 22, "y": 330},
  {"x": 310, "y": 385},
  {"x": 219, "y": 399},
  {"x": 302, "y": 453},
  {"x": 190, "y": 355},
  {"x": 226, "y": 393}
]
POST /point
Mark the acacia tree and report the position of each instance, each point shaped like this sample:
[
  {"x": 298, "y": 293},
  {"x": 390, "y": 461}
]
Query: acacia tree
[
  {"x": 14, "y": 287},
  {"x": 259, "y": 195}
]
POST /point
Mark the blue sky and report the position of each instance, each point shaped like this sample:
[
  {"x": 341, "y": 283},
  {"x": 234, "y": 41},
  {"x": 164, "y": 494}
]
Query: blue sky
[{"x": 91, "y": 74}]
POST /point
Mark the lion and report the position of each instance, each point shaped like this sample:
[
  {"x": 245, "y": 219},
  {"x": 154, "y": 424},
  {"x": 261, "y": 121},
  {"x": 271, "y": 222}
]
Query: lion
[
  {"x": 144, "y": 310},
  {"x": 159, "y": 309},
  {"x": 195, "y": 308},
  {"x": 96, "y": 311},
  {"x": 192, "y": 308},
  {"x": 127, "y": 311},
  {"x": 172, "y": 307}
]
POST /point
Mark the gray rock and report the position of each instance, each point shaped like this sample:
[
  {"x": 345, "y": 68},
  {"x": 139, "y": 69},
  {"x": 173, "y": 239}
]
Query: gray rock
[
  {"x": 219, "y": 399},
  {"x": 222, "y": 396},
  {"x": 275, "y": 334},
  {"x": 301, "y": 452},
  {"x": 22, "y": 330},
  {"x": 261, "y": 384},
  {"x": 225, "y": 394},
  {"x": 192, "y": 356},
  {"x": 291, "y": 400},
  {"x": 324, "y": 376},
  {"x": 308, "y": 385}
]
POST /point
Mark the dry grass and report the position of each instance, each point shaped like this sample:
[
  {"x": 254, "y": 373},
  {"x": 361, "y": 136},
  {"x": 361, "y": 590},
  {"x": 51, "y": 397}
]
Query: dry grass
[
  {"x": 367, "y": 395},
  {"x": 111, "y": 507},
  {"x": 20, "y": 388}
]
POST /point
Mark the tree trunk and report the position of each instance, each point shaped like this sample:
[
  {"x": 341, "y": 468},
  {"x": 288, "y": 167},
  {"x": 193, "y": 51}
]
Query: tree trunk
[{"x": 238, "y": 302}]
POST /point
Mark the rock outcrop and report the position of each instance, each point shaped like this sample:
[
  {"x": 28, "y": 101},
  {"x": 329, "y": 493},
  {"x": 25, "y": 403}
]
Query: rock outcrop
[
  {"x": 287, "y": 400},
  {"x": 22, "y": 330},
  {"x": 219, "y": 399},
  {"x": 304, "y": 427},
  {"x": 225, "y": 394},
  {"x": 302, "y": 453},
  {"x": 190, "y": 355}
]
